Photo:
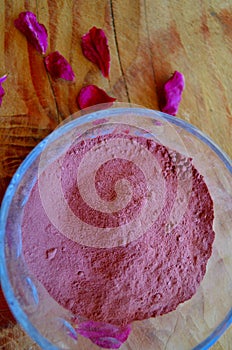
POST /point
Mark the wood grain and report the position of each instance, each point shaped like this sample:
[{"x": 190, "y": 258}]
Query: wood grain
[{"x": 148, "y": 40}]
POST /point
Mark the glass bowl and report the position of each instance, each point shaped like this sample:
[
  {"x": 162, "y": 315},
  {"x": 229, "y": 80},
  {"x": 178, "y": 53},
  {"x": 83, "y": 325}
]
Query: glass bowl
[{"x": 196, "y": 323}]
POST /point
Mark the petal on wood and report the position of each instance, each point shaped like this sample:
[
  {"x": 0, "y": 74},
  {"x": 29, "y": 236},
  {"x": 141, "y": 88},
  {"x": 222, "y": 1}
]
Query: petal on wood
[
  {"x": 59, "y": 67},
  {"x": 35, "y": 32},
  {"x": 173, "y": 89},
  {"x": 95, "y": 47},
  {"x": 2, "y": 91},
  {"x": 92, "y": 95}
]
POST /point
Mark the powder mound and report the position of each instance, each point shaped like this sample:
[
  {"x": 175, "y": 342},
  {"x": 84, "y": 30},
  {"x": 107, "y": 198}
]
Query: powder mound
[{"x": 119, "y": 229}]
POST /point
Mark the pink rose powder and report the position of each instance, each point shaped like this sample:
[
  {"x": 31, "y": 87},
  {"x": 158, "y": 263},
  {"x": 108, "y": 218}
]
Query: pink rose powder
[{"x": 119, "y": 228}]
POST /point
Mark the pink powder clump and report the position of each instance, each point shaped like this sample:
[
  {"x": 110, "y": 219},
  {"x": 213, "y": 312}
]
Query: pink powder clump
[{"x": 144, "y": 277}]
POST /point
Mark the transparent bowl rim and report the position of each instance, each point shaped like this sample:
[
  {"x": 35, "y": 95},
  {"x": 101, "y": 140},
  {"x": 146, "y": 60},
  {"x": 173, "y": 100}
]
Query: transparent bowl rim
[{"x": 13, "y": 303}]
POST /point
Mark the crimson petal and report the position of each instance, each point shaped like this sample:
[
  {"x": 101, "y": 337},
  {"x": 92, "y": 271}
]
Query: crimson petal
[
  {"x": 103, "y": 334},
  {"x": 173, "y": 89},
  {"x": 35, "y": 32},
  {"x": 58, "y": 66},
  {"x": 95, "y": 47},
  {"x": 2, "y": 92},
  {"x": 91, "y": 95}
]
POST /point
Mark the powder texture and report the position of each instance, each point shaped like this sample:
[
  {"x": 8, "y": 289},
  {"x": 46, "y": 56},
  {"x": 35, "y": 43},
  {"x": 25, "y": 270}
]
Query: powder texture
[{"x": 119, "y": 229}]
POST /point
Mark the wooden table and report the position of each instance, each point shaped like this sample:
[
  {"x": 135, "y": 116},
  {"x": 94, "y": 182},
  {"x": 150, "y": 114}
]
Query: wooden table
[{"x": 148, "y": 40}]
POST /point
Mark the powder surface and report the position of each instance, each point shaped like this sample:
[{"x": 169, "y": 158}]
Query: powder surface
[{"x": 119, "y": 229}]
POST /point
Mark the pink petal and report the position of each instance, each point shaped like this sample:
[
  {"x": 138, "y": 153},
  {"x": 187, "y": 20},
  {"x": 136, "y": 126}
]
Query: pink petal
[
  {"x": 91, "y": 95},
  {"x": 103, "y": 334},
  {"x": 35, "y": 32},
  {"x": 173, "y": 89},
  {"x": 2, "y": 92},
  {"x": 3, "y": 78},
  {"x": 95, "y": 47},
  {"x": 58, "y": 67}
]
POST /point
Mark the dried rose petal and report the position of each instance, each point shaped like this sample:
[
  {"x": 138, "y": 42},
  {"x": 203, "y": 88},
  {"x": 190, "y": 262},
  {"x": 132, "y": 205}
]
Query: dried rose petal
[
  {"x": 173, "y": 89},
  {"x": 105, "y": 335},
  {"x": 91, "y": 95},
  {"x": 58, "y": 67},
  {"x": 95, "y": 47},
  {"x": 35, "y": 32},
  {"x": 2, "y": 92}
]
